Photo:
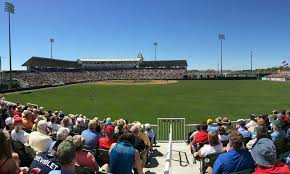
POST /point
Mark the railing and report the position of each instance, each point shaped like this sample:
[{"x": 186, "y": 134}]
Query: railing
[
  {"x": 178, "y": 129},
  {"x": 168, "y": 166}
]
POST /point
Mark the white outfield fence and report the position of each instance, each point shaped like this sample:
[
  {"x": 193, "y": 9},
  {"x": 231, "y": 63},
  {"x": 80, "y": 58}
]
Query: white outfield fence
[{"x": 168, "y": 166}]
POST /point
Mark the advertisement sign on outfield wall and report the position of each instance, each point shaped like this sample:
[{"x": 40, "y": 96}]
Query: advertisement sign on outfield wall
[{"x": 274, "y": 79}]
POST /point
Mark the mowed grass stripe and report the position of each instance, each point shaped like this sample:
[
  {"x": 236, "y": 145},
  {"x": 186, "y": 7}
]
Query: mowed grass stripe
[{"x": 194, "y": 100}]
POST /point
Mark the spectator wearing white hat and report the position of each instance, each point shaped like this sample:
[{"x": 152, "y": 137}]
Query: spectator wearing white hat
[
  {"x": 79, "y": 127},
  {"x": 150, "y": 133},
  {"x": 9, "y": 124},
  {"x": 39, "y": 140}
]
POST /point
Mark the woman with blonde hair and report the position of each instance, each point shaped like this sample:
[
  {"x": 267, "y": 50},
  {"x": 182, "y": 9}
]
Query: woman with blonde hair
[{"x": 214, "y": 146}]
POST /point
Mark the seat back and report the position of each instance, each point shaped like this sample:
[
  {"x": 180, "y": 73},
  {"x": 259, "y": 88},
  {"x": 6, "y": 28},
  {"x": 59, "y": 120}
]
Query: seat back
[
  {"x": 280, "y": 145},
  {"x": 225, "y": 143},
  {"x": 83, "y": 170},
  {"x": 246, "y": 140},
  {"x": 207, "y": 161},
  {"x": 102, "y": 156},
  {"x": 247, "y": 171}
]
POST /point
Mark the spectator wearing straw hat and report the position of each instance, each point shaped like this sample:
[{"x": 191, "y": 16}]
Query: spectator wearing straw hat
[
  {"x": 264, "y": 154},
  {"x": 210, "y": 126}
]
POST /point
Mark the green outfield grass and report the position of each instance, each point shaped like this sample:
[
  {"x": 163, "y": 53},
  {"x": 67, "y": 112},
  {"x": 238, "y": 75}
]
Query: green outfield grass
[{"x": 194, "y": 100}]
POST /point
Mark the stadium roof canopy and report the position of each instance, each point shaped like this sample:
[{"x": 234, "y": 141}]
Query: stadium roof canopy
[
  {"x": 107, "y": 60},
  {"x": 164, "y": 64},
  {"x": 52, "y": 63}
]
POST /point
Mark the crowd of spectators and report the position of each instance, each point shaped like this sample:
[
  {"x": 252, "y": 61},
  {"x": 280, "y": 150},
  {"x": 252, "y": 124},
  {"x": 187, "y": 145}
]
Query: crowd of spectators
[
  {"x": 280, "y": 74},
  {"x": 252, "y": 146},
  {"x": 34, "y": 79},
  {"x": 36, "y": 141}
]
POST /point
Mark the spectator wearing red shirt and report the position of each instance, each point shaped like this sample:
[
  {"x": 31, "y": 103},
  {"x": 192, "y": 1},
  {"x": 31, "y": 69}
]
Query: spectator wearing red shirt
[
  {"x": 264, "y": 154},
  {"x": 17, "y": 111},
  {"x": 201, "y": 136},
  {"x": 106, "y": 142},
  {"x": 84, "y": 158}
]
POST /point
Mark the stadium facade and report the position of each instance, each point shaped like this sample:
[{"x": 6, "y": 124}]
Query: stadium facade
[{"x": 41, "y": 63}]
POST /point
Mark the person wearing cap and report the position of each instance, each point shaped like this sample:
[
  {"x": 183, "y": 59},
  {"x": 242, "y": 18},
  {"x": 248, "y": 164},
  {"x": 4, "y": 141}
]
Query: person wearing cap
[
  {"x": 79, "y": 127},
  {"x": 66, "y": 157},
  {"x": 265, "y": 156},
  {"x": 91, "y": 136},
  {"x": 39, "y": 140},
  {"x": 210, "y": 126},
  {"x": 241, "y": 128},
  {"x": 17, "y": 133},
  {"x": 84, "y": 158},
  {"x": 277, "y": 130},
  {"x": 235, "y": 159},
  {"x": 150, "y": 133},
  {"x": 108, "y": 140},
  {"x": 9, "y": 124}
]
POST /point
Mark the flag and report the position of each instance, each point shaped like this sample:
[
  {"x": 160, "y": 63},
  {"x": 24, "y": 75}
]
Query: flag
[
  {"x": 286, "y": 64},
  {"x": 284, "y": 61}
]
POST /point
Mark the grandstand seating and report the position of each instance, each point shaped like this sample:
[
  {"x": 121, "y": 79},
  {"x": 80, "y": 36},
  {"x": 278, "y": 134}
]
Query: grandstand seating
[{"x": 38, "y": 79}]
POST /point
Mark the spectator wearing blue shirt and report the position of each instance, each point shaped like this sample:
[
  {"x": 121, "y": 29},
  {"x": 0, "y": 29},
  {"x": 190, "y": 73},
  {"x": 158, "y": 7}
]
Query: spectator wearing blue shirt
[
  {"x": 210, "y": 126},
  {"x": 288, "y": 132},
  {"x": 91, "y": 136},
  {"x": 277, "y": 130},
  {"x": 241, "y": 128},
  {"x": 235, "y": 159}
]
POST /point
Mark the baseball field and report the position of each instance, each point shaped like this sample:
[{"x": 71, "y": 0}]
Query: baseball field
[{"x": 195, "y": 100}]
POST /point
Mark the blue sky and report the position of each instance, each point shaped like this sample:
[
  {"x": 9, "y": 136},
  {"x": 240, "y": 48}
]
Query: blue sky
[{"x": 184, "y": 29}]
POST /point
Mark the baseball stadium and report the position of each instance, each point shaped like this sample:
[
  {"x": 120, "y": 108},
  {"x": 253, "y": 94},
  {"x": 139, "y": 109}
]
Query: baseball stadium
[{"x": 81, "y": 112}]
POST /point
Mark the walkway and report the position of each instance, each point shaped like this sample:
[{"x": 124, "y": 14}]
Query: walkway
[{"x": 181, "y": 160}]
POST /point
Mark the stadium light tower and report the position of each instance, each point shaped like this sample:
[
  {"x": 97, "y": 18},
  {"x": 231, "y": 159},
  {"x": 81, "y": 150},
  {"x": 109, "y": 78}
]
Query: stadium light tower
[
  {"x": 51, "y": 42},
  {"x": 251, "y": 60},
  {"x": 221, "y": 37},
  {"x": 155, "y": 45},
  {"x": 9, "y": 8}
]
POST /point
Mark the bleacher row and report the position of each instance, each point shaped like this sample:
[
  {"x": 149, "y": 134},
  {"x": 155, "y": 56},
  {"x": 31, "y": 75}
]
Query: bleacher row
[
  {"x": 37, "y": 79},
  {"x": 36, "y": 135},
  {"x": 258, "y": 129}
]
